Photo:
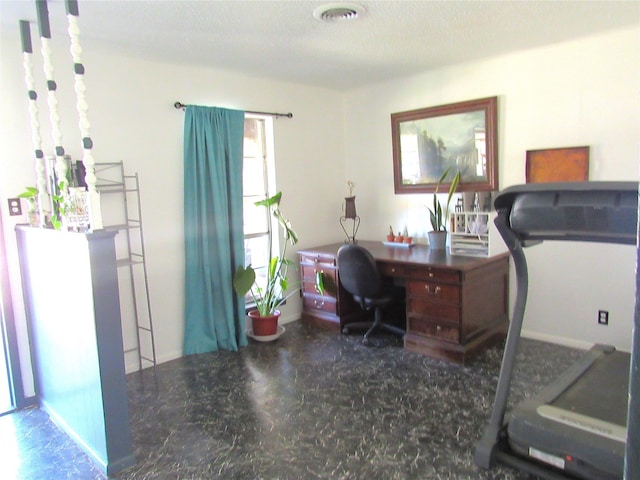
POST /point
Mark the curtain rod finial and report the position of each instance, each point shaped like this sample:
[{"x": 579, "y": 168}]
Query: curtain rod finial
[{"x": 179, "y": 105}]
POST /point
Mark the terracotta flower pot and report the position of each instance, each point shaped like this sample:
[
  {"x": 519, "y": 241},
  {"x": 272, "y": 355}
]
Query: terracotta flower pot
[
  {"x": 408, "y": 240},
  {"x": 264, "y": 326},
  {"x": 399, "y": 239},
  {"x": 390, "y": 238}
]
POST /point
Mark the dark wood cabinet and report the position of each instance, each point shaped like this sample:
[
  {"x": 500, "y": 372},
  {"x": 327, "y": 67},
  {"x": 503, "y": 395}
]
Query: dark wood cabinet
[
  {"x": 456, "y": 306},
  {"x": 456, "y": 313},
  {"x": 335, "y": 306}
]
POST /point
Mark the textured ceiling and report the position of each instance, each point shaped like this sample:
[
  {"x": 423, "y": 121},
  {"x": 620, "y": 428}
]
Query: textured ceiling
[{"x": 282, "y": 40}]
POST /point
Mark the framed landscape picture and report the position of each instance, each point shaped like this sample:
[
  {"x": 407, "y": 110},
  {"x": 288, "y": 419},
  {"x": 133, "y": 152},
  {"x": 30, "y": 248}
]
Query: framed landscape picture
[{"x": 459, "y": 136}]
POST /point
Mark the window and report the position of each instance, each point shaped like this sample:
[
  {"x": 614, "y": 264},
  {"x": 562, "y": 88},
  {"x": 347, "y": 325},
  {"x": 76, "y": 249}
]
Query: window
[{"x": 258, "y": 184}]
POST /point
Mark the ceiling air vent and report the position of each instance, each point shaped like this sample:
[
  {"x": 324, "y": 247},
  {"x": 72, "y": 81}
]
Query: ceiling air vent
[{"x": 336, "y": 12}]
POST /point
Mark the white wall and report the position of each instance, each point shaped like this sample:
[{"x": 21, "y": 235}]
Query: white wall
[
  {"x": 583, "y": 92},
  {"x": 133, "y": 119}
]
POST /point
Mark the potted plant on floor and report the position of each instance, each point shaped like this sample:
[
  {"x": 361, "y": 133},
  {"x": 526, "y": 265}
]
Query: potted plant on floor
[
  {"x": 439, "y": 216},
  {"x": 273, "y": 293}
]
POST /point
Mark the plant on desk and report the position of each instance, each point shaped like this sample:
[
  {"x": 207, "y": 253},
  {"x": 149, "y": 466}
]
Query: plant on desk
[
  {"x": 269, "y": 297},
  {"x": 439, "y": 216},
  {"x": 391, "y": 236}
]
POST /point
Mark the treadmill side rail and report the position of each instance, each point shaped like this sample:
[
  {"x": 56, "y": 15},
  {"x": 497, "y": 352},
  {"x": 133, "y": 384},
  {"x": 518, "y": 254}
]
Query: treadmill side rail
[{"x": 485, "y": 450}]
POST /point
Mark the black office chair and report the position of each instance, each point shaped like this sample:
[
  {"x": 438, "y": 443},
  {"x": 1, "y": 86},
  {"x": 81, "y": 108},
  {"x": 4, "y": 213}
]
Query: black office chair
[{"x": 360, "y": 277}]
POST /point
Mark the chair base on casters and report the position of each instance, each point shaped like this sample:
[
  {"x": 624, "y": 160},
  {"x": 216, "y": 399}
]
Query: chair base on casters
[
  {"x": 360, "y": 277},
  {"x": 371, "y": 327}
]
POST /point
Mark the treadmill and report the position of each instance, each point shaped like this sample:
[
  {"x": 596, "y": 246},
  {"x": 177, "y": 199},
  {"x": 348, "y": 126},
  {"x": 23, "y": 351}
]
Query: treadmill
[{"x": 577, "y": 426}]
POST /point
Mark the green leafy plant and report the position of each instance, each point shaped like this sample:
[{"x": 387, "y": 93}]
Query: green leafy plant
[
  {"x": 274, "y": 293},
  {"x": 438, "y": 215},
  {"x": 31, "y": 195},
  {"x": 60, "y": 200},
  {"x": 60, "y": 205}
]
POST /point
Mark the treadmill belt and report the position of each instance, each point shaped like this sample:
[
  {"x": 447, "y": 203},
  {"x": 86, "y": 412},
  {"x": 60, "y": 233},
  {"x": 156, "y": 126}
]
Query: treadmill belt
[
  {"x": 597, "y": 392},
  {"x": 578, "y": 423}
]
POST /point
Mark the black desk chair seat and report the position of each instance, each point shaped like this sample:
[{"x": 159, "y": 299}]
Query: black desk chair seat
[{"x": 360, "y": 277}]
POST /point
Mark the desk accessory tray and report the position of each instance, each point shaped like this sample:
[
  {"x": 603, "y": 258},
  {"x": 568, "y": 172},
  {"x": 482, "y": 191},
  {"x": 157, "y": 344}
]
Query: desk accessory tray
[{"x": 398, "y": 244}]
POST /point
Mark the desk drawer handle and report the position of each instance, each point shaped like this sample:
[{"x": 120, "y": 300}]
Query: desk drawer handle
[
  {"x": 318, "y": 304},
  {"x": 438, "y": 328},
  {"x": 435, "y": 291},
  {"x": 430, "y": 274}
]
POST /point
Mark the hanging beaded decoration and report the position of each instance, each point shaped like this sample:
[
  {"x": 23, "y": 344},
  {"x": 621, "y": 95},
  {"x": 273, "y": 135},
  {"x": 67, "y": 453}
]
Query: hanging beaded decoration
[{"x": 44, "y": 201}]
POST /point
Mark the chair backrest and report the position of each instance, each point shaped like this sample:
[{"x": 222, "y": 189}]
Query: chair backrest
[{"x": 358, "y": 271}]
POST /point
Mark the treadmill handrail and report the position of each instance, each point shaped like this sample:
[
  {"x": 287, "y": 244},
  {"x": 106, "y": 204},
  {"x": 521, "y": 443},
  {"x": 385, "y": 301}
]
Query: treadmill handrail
[{"x": 604, "y": 212}]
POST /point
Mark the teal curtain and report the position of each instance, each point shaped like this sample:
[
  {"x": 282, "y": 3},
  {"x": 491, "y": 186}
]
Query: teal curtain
[{"x": 213, "y": 229}]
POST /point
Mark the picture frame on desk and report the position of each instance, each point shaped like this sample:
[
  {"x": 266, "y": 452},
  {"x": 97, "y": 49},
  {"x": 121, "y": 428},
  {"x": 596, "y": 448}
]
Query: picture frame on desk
[{"x": 460, "y": 136}]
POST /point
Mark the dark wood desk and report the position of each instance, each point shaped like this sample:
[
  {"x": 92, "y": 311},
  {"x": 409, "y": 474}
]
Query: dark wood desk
[{"x": 456, "y": 306}]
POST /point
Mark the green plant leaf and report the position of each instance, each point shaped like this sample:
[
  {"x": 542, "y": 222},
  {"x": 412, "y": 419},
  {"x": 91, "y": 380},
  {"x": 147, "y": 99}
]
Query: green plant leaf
[
  {"x": 55, "y": 222},
  {"x": 273, "y": 264},
  {"x": 289, "y": 234},
  {"x": 243, "y": 280},
  {"x": 438, "y": 216},
  {"x": 269, "y": 202},
  {"x": 442, "y": 177},
  {"x": 454, "y": 185},
  {"x": 30, "y": 192},
  {"x": 434, "y": 222},
  {"x": 320, "y": 283}
]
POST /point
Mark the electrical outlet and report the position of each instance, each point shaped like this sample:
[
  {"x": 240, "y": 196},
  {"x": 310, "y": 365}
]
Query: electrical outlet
[
  {"x": 603, "y": 317},
  {"x": 15, "y": 207}
]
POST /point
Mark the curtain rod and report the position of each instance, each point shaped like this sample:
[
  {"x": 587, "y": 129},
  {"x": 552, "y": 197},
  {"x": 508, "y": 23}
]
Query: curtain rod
[{"x": 182, "y": 106}]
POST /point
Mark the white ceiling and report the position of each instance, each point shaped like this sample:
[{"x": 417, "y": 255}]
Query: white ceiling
[{"x": 282, "y": 40}]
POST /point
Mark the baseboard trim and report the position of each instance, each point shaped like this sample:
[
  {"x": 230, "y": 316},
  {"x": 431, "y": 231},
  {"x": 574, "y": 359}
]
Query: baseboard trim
[{"x": 564, "y": 341}]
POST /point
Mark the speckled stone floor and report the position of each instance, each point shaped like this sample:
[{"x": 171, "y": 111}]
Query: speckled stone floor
[{"x": 312, "y": 405}]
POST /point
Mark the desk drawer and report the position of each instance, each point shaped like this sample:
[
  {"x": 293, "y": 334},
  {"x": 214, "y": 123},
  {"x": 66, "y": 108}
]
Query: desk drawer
[
  {"x": 424, "y": 308},
  {"x": 392, "y": 269},
  {"x": 433, "y": 274},
  {"x": 448, "y": 333},
  {"x": 317, "y": 302},
  {"x": 310, "y": 288},
  {"x": 434, "y": 291},
  {"x": 322, "y": 260},
  {"x": 308, "y": 274}
]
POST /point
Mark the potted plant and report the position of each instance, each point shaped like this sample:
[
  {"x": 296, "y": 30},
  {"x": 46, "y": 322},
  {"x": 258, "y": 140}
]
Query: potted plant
[
  {"x": 439, "y": 216},
  {"x": 407, "y": 238},
  {"x": 267, "y": 298},
  {"x": 391, "y": 236},
  {"x": 31, "y": 195},
  {"x": 399, "y": 238}
]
